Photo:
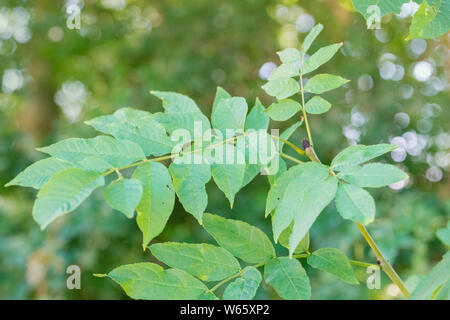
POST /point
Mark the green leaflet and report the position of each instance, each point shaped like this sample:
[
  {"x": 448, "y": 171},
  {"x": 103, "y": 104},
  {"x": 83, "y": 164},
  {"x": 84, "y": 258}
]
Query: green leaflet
[
  {"x": 282, "y": 88},
  {"x": 311, "y": 36},
  {"x": 385, "y": 6},
  {"x": 208, "y": 295},
  {"x": 299, "y": 195},
  {"x": 244, "y": 287},
  {"x": 373, "y": 175},
  {"x": 444, "y": 234},
  {"x": 257, "y": 119},
  {"x": 283, "y": 109},
  {"x": 311, "y": 203},
  {"x": 437, "y": 277},
  {"x": 221, "y": 93},
  {"x": 189, "y": 182},
  {"x": 333, "y": 261},
  {"x": 358, "y": 154},
  {"x": 431, "y": 20},
  {"x": 282, "y": 167},
  {"x": 283, "y": 239},
  {"x": 288, "y": 278},
  {"x": 320, "y": 57},
  {"x": 124, "y": 195},
  {"x": 137, "y": 126},
  {"x": 180, "y": 112},
  {"x": 157, "y": 201},
  {"x": 96, "y": 154},
  {"x": 149, "y": 281},
  {"x": 38, "y": 173},
  {"x": 289, "y": 55},
  {"x": 229, "y": 113},
  {"x": 317, "y": 105},
  {"x": 285, "y": 70},
  {"x": 205, "y": 261},
  {"x": 241, "y": 239},
  {"x": 228, "y": 173},
  {"x": 354, "y": 203},
  {"x": 63, "y": 193},
  {"x": 324, "y": 82}
]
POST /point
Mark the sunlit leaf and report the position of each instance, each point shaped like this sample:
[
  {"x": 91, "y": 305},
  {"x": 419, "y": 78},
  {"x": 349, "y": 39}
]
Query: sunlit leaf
[
  {"x": 354, "y": 203},
  {"x": 333, "y": 261},
  {"x": 124, "y": 195},
  {"x": 244, "y": 287}
]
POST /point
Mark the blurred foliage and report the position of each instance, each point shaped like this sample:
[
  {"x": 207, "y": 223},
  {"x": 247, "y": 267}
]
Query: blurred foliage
[{"x": 59, "y": 78}]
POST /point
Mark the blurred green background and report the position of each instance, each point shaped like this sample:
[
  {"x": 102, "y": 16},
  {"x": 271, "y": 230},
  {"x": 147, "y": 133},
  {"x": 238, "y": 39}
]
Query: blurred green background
[{"x": 53, "y": 79}]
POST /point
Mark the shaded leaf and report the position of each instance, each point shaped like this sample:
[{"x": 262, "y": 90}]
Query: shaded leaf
[
  {"x": 205, "y": 261},
  {"x": 373, "y": 175},
  {"x": 124, "y": 195},
  {"x": 244, "y": 287},
  {"x": 354, "y": 203},
  {"x": 229, "y": 113},
  {"x": 311, "y": 36},
  {"x": 288, "y": 278},
  {"x": 38, "y": 173},
  {"x": 180, "y": 112},
  {"x": 285, "y": 70},
  {"x": 283, "y": 109},
  {"x": 96, "y": 154},
  {"x": 137, "y": 126},
  {"x": 437, "y": 277},
  {"x": 333, "y": 261},
  {"x": 150, "y": 281},
  {"x": 241, "y": 239},
  {"x": 324, "y": 82},
  {"x": 63, "y": 193},
  {"x": 317, "y": 105},
  {"x": 320, "y": 57},
  {"x": 189, "y": 182},
  {"x": 157, "y": 201},
  {"x": 289, "y": 55},
  {"x": 282, "y": 88},
  {"x": 358, "y": 154},
  {"x": 444, "y": 234}
]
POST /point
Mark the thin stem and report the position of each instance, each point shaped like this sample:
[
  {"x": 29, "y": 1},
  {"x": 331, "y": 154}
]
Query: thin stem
[
  {"x": 290, "y": 144},
  {"x": 284, "y": 155},
  {"x": 385, "y": 265},
  {"x": 303, "y": 103},
  {"x": 362, "y": 264}
]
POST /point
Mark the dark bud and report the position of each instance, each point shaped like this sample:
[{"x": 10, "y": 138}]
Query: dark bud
[
  {"x": 305, "y": 144},
  {"x": 378, "y": 262}
]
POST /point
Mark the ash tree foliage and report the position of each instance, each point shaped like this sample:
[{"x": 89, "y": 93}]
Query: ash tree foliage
[
  {"x": 149, "y": 168},
  {"x": 431, "y": 20}
]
